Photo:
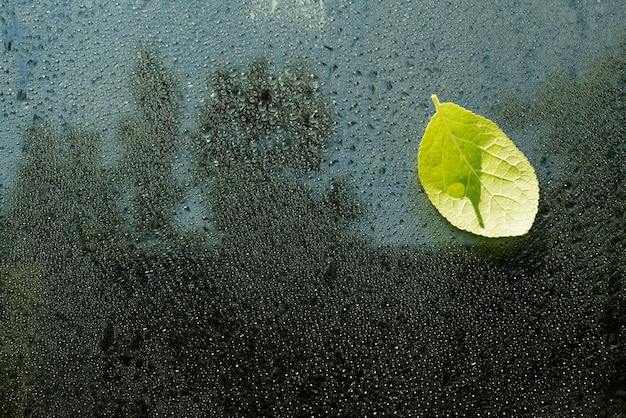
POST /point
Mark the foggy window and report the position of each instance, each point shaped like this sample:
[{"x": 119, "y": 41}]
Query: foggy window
[{"x": 213, "y": 209}]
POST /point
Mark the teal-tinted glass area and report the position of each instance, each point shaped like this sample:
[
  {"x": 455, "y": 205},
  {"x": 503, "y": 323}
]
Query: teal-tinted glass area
[{"x": 211, "y": 209}]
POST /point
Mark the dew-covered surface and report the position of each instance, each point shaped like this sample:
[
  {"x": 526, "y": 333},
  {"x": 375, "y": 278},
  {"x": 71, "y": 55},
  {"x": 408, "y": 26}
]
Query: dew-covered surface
[{"x": 213, "y": 210}]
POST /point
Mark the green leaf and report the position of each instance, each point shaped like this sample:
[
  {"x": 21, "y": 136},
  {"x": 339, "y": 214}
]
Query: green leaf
[{"x": 475, "y": 176}]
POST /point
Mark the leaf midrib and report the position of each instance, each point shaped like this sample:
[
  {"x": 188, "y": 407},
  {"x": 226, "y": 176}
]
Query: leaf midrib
[{"x": 457, "y": 139}]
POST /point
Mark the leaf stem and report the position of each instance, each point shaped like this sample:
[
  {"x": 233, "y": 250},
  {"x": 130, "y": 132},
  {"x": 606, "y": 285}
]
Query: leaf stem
[{"x": 435, "y": 100}]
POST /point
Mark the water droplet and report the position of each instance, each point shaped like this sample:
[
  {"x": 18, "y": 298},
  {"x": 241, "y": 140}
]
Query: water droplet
[{"x": 262, "y": 106}]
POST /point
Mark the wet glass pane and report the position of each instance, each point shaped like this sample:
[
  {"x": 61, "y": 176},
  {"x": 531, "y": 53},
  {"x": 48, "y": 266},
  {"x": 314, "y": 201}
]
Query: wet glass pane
[{"x": 213, "y": 209}]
